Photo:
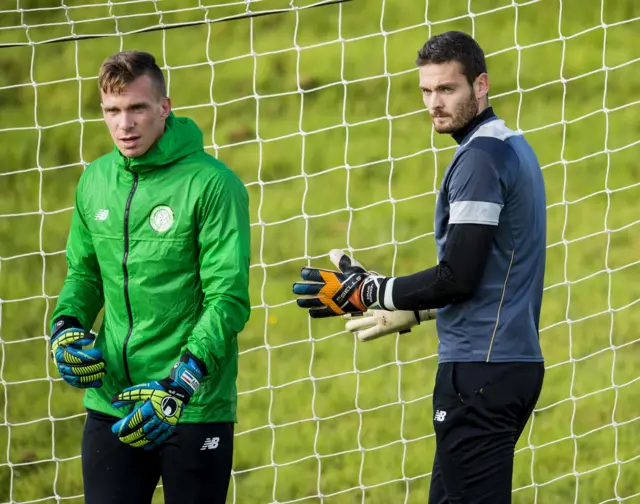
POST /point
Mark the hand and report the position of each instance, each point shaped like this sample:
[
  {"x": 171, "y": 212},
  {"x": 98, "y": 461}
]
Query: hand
[
  {"x": 377, "y": 323},
  {"x": 153, "y": 421},
  {"x": 78, "y": 363},
  {"x": 329, "y": 293}
]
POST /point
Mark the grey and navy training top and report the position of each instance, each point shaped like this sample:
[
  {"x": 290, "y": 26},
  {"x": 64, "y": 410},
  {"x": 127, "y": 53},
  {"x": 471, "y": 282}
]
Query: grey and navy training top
[{"x": 490, "y": 230}]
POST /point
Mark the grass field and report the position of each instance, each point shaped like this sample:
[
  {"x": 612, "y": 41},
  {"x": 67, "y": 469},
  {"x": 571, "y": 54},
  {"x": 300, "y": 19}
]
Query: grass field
[{"x": 321, "y": 116}]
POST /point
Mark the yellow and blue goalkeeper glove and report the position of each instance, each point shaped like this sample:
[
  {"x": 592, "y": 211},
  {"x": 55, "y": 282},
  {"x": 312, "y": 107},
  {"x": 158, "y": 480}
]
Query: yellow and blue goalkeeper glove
[
  {"x": 330, "y": 293},
  {"x": 78, "y": 363},
  {"x": 160, "y": 404}
]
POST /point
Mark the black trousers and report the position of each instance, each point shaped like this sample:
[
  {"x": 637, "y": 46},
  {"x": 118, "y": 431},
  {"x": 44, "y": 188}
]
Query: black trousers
[
  {"x": 480, "y": 410},
  {"x": 195, "y": 464}
]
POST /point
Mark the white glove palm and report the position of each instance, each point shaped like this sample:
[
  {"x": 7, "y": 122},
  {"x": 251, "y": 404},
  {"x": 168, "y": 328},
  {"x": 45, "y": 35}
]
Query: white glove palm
[{"x": 377, "y": 323}]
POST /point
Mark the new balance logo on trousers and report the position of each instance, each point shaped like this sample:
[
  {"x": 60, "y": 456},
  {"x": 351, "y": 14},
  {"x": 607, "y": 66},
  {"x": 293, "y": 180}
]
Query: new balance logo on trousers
[{"x": 211, "y": 443}]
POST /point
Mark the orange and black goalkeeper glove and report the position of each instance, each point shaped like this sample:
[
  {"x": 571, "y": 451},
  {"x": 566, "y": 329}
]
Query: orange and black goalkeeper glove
[{"x": 330, "y": 293}]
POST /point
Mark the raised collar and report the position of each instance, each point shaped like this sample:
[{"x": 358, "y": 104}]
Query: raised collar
[{"x": 463, "y": 132}]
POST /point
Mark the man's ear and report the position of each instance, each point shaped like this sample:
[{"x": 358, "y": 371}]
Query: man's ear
[
  {"x": 166, "y": 107},
  {"x": 481, "y": 86}
]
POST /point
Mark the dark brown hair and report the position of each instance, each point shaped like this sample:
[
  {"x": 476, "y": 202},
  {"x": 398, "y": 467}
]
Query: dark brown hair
[
  {"x": 122, "y": 68},
  {"x": 454, "y": 46}
]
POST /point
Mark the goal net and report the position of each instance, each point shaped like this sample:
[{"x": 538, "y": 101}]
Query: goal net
[{"x": 316, "y": 106}]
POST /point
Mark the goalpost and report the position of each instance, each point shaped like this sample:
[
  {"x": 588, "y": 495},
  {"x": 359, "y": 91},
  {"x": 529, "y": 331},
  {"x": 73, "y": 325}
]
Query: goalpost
[{"x": 315, "y": 104}]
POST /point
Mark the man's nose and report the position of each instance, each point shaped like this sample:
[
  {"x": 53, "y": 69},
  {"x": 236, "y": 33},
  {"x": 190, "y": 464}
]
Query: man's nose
[
  {"x": 127, "y": 121},
  {"x": 434, "y": 102}
]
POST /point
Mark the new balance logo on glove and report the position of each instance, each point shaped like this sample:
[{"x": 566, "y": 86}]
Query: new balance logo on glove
[{"x": 211, "y": 443}]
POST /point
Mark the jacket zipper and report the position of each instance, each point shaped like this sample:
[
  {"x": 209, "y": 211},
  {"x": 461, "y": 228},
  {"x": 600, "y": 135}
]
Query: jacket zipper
[{"x": 125, "y": 270}]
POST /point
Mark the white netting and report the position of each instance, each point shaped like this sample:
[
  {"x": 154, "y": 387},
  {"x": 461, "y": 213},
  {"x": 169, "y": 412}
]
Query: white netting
[{"x": 318, "y": 110}]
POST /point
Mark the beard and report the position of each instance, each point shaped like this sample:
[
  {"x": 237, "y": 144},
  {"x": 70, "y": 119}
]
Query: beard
[{"x": 463, "y": 113}]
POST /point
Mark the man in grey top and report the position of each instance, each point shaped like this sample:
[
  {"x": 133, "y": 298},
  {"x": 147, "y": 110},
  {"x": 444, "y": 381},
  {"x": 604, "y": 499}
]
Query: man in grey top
[{"x": 485, "y": 292}]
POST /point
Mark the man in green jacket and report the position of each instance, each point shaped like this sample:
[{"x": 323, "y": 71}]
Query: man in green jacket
[{"x": 160, "y": 239}]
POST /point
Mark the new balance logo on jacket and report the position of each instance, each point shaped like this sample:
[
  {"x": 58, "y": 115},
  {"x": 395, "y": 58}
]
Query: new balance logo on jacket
[{"x": 102, "y": 214}]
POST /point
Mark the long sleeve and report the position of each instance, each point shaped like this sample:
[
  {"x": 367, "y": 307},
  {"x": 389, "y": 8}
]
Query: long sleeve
[
  {"x": 452, "y": 280},
  {"x": 475, "y": 197},
  {"x": 224, "y": 258},
  {"x": 81, "y": 296}
]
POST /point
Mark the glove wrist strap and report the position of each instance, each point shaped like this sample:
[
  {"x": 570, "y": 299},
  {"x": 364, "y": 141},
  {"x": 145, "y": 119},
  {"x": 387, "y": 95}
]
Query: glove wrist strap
[
  {"x": 188, "y": 372},
  {"x": 192, "y": 360},
  {"x": 64, "y": 322},
  {"x": 372, "y": 292}
]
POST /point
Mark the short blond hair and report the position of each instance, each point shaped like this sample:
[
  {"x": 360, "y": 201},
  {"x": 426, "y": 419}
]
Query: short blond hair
[{"x": 122, "y": 68}]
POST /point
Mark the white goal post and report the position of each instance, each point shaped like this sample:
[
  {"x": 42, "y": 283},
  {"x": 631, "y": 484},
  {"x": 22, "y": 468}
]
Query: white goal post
[{"x": 315, "y": 104}]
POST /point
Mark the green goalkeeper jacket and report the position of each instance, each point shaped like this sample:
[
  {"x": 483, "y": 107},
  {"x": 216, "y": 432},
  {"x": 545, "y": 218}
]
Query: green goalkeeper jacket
[{"x": 162, "y": 241}]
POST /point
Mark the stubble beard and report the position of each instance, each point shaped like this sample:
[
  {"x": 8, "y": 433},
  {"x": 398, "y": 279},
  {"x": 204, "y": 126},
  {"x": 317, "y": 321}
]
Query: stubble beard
[{"x": 463, "y": 113}]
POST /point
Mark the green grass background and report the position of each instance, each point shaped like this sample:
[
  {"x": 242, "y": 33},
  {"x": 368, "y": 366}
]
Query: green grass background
[{"x": 320, "y": 114}]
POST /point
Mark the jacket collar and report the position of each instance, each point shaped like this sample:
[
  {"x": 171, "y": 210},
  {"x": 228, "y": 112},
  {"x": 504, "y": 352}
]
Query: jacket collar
[
  {"x": 181, "y": 137},
  {"x": 460, "y": 135}
]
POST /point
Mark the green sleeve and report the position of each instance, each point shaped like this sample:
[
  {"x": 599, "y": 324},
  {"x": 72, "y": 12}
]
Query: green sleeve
[
  {"x": 224, "y": 240},
  {"x": 82, "y": 294}
]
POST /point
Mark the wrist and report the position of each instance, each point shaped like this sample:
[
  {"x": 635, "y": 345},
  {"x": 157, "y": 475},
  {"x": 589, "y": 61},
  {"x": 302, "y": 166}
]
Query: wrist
[
  {"x": 423, "y": 315},
  {"x": 375, "y": 293},
  {"x": 64, "y": 322},
  {"x": 188, "y": 372}
]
